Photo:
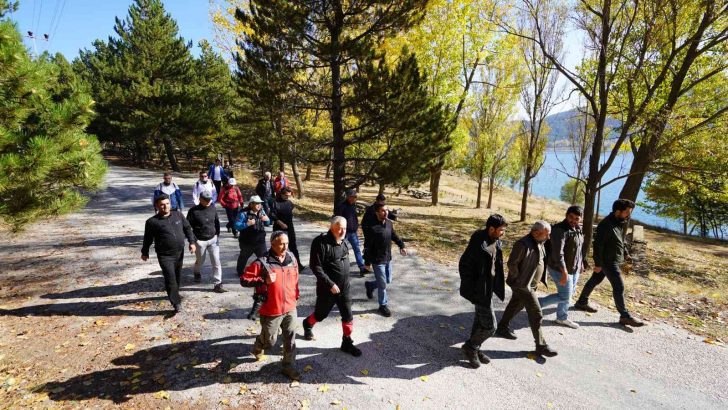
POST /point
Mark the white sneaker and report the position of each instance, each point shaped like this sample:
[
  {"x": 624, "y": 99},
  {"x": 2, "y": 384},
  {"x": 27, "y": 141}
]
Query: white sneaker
[{"x": 567, "y": 323}]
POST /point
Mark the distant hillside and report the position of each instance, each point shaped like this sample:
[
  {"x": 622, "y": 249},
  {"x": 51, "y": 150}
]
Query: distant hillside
[{"x": 560, "y": 123}]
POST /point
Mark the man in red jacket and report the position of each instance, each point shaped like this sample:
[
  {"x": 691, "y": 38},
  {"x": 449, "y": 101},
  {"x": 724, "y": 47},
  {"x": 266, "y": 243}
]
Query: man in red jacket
[
  {"x": 280, "y": 182},
  {"x": 278, "y": 271}
]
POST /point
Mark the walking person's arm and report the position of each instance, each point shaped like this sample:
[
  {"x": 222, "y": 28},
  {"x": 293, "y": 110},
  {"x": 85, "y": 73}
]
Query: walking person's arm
[
  {"x": 514, "y": 259},
  {"x": 148, "y": 239},
  {"x": 558, "y": 241},
  {"x": 316, "y": 263},
  {"x": 598, "y": 254},
  {"x": 217, "y": 227},
  {"x": 399, "y": 242},
  {"x": 187, "y": 228}
]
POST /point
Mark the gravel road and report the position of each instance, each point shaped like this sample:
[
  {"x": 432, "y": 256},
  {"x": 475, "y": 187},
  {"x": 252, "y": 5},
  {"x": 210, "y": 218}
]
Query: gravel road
[{"x": 411, "y": 360}]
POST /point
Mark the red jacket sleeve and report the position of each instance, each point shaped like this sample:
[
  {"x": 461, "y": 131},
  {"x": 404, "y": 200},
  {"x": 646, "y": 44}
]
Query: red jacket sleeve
[
  {"x": 221, "y": 196},
  {"x": 252, "y": 275}
]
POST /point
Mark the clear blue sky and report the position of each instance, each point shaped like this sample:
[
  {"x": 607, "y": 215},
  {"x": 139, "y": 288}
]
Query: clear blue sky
[{"x": 77, "y": 23}]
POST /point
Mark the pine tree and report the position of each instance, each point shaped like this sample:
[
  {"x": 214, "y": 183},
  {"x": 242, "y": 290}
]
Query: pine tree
[
  {"x": 143, "y": 82},
  {"x": 47, "y": 161}
]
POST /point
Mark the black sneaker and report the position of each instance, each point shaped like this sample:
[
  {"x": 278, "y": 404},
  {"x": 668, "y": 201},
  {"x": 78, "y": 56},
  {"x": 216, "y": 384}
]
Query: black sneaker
[
  {"x": 177, "y": 308},
  {"x": 347, "y": 346},
  {"x": 307, "y": 330},
  {"x": 384, "y": 310},
  {"x": 506, "y": 333},
  {"x": 198, "y": 278},
  {"x": 219, "y": 289},
  {"x": 370, "y": 290},
  {"x": 545, "y": 350},
  {"x": 483, "y": 357},
  {"x": 470, "y": 356},
  {"x": 584, "y": 307},
  {"x": 235, "y": 235},
  {"x": 630, "y": 321}
]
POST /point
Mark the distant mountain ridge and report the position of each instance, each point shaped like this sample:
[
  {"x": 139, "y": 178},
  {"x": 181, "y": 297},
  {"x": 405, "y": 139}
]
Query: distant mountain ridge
[{"x": 560, "y": 124}]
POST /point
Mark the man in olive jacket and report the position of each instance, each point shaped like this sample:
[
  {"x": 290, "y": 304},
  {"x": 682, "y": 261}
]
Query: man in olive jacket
[
  {"x": 481, "y": 275},
  {"x": 608, "y": 256},
  {"x": 526, "y": 266}
]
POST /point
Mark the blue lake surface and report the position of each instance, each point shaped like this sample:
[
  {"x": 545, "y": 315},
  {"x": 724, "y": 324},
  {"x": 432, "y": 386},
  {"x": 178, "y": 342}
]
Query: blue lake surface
[{"x": 551, "y": 178}]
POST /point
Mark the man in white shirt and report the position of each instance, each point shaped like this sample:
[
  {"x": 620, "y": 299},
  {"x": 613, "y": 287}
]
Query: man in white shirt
[
  {"x": 217, "y": 175},
  {"x": 203, "y": 184}
]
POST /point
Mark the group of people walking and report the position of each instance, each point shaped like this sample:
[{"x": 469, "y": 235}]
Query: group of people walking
[{"x": 274, "y": 272}]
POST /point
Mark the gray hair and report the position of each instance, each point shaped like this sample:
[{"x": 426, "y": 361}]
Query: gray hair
[
  {"x": 267, "y": 174},
  {"x": 277, "y": 234},
  {"x": 338, "y": 220},
  {"x": 539, "y": 226}
]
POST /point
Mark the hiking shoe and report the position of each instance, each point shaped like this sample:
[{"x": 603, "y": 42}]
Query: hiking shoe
[
  {"x": 307, "y": 330},
  {"x": 219, "y": 289},
  {"x": 584, "y": 307},
  {"x": 198, "y": 278},
  {"x": 370, "y": 290},
  {"x": 177, "y": 308},
  {"x": 567, "y": 323},
  {"x": 235, "y": 235},
  {"x": 471, "y": 357},
  {"x": 347, "y": 346},
  {"x": 291, "y": 373},
  {"x": 545, "y": 350},
  {"x": 483, "y": 357},
  {"x": 630, "y": 321},
  {"x": 506, "y": 333},
  {"x": 384, "y": 310}
]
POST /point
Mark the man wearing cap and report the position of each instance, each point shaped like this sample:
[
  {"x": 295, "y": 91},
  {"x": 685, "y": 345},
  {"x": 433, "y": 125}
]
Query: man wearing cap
[
  {"x": 206, "y": 227},
  {"x": 168, "y": 229},
  {"x": 277, "y": 271},
  {"x": 347, "y": 210},
  {"x": 282, "y": 219},
  {"x": 203, "y": 184},
  {"x": 171, "y": 190},
  {"x": 329, "y": 261},
  {"x": 232, "y": 200},
  {"x": 251, "y": 223}
]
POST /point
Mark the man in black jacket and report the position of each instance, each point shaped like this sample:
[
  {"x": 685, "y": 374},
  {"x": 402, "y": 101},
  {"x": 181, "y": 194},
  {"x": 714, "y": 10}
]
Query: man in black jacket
[
  {"x": 206, "y": 227},
  {"x": 379, "y": 253},
  {"x": 266, "y": 191},
  {"x": 330, "y": 263},
  {"x": 347, "y": 210},
  {"x": 526, "y": 267},
  {"x": 168, "y": 230},
  {"x": 282, "y": 218},
  {"x": 481, "y": 276},
  {"x": 608, "y": 256}
]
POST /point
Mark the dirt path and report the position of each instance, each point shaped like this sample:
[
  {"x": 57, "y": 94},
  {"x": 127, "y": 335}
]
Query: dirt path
[{"x": 82, "y": 323}]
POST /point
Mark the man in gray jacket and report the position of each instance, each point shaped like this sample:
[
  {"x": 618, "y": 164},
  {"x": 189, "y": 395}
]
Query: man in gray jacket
[
  {"x": 526, "y": 266},
  {"x": 565, "y": 262}
]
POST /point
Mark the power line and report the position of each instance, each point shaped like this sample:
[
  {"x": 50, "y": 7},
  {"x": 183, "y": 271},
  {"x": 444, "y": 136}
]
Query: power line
[
  {"x": 40, "y": 13},
  {"x": 58, "y": 23},
  {"x": 54, "y": 16}
]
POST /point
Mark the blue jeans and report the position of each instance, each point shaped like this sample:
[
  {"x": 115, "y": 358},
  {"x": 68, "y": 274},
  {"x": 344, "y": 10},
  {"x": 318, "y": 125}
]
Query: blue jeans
[
  {"x": 382, "y": 277},
  {"x": 563, "y": 294},
  {"x": 353, "y": 239}
]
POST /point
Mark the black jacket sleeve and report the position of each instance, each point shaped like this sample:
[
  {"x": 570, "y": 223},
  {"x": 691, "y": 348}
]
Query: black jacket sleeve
[
  {"x": 318, "y": 251},
  {"x": 217, "y": 225},
  {"x": 148, "y": 237},
  {"x": 397, "y": 239},
  {"x": 187, "y": 228}
]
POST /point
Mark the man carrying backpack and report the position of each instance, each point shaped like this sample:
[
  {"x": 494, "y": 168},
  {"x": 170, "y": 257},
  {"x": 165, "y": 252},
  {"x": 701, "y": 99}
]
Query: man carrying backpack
[{"x": 170, "y": 189}]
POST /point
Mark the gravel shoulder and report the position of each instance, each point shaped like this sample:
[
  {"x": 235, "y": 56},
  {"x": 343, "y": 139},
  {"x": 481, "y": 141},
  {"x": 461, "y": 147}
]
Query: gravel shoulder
[{"x": 84, "y": 322}]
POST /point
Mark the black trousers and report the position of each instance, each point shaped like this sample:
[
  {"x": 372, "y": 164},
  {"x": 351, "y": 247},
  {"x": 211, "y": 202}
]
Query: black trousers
[
  {"x": 172, "y": 270},
  {"x": 218, "y": 186},
  {"x": 612, "y": 272},
  {"x": 232, "y": 215},
  {"x": 483, "y": 326},
  {"x": 325, "y": 301}
]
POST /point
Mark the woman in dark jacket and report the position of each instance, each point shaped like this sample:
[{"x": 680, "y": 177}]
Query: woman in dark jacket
[{"x": 251, "y": 223}]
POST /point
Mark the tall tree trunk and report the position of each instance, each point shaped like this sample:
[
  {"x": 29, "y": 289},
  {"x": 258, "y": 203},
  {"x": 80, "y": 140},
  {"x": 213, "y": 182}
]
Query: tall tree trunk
[
  {"x": 435, "y": 175},
  {"x": 282, "y": 161},
  {"x": 524, "y": 199},
  {"x": 230, "y": 158},
  {"x": 685, "y": 222},
  {"x": 169, "y": 148},
  {"x": 480, "y": 187},
  {"x": 140, "y": 154},
  {"x": 308, "y": 172},
  {"x": 328, "y": 170},
  {"x": 637, "y": 171},
  {"x": 491, "y": 186},
  {"x": 575, "y": 194},
  {"x": 381, "y": 187},
  {"x": 296, "y": 174}
]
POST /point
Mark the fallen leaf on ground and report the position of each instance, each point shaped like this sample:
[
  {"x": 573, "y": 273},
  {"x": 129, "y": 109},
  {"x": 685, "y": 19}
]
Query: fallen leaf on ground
[
  {"x": 531, "y": 356},
  {"x": 162, "y": 394},
  {"x": 424, "y": 378},
  {"x": 713, "y": 342},
  {"x": 324, "y": 388},
  {"x": 225, "y": 402},
  {"x": 308, "y": 368},
  {"x": 129, "y": 346},
  {"x": 243, "y": 389},
  {"x": 295, "y": 383},
  {"x": 227, "y": 379},
  {"x": 335, "y": 402},
  {"x": 539, "y": 374},
  {"x": 365, "y": 372},
  {"x": 262, "y": 358},
  {"x": 633, "y": 390}
]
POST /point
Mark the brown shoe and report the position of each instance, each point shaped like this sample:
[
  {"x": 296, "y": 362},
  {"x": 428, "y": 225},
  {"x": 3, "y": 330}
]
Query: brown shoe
[
  {"x": 630, "y": 321},
  {"x": 291, "y": 373}
]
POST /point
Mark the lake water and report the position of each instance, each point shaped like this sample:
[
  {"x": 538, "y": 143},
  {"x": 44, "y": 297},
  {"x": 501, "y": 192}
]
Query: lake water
[{"x": 551, "y": 178}]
